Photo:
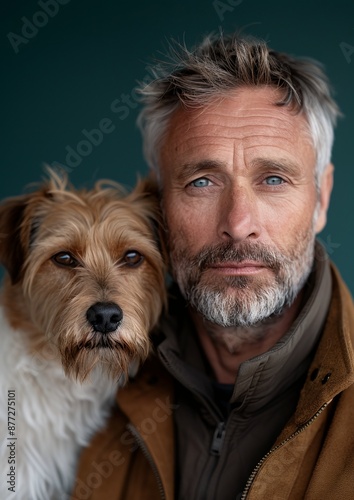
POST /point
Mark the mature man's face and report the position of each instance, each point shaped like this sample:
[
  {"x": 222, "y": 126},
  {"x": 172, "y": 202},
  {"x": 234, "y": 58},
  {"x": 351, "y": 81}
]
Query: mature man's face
[{"x": 239, "y": 200}]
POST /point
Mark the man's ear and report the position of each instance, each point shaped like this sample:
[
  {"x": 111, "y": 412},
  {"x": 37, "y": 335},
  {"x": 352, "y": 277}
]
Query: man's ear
[
  {"x": 326, "y": 185},
  {"x": 12, "y": 249}
]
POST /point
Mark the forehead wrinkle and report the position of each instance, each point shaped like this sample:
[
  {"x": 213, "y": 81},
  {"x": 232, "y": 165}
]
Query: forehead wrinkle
[
  {"x": 239, "y": 132},
  {"x": 230, "y": 121},
  {"x": 214, "y": 114},
  {"x": 263, "y": 140},
  {"x": 238, "y": 153}
]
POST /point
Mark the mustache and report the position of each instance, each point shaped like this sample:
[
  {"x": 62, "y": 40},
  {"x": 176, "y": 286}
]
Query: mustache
[{"x": 226, "y": 252}]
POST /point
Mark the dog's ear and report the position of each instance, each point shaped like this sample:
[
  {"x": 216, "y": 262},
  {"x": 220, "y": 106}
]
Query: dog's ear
[
  {"x": 147, "y": 186},
  {"x": 12, "y": 251},
  {"x": 20, "y": 218},
  {"x": 147, "y": 190}
]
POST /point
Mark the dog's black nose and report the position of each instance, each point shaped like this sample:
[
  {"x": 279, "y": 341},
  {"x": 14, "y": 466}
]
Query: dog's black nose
[{"x": 104, "y": 316}]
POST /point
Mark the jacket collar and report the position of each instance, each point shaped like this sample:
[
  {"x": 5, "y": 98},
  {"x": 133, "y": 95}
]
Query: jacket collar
[{"x": 332, "y": 368}]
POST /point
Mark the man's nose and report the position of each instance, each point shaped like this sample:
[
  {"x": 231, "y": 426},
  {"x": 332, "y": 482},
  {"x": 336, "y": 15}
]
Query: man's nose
[{"x": 239, "y": 217}]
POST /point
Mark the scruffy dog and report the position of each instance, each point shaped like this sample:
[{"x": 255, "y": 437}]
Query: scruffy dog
[{"x": 84, "y": 286}]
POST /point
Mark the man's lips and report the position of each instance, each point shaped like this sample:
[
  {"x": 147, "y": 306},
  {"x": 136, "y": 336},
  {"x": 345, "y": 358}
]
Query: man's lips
[{"x": 238, "y": 268}]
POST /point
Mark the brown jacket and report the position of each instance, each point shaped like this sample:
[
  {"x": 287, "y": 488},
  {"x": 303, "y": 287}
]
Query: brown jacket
[{"x": 312, "y": 459}]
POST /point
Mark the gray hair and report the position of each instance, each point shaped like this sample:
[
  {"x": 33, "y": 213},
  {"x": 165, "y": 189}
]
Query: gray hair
[{"x": 221, "y": 63}]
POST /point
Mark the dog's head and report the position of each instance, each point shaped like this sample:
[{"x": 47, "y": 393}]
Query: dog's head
[{"x": 86, "y": 270}]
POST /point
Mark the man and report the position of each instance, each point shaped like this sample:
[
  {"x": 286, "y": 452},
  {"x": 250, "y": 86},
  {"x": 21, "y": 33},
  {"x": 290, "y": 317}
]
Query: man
[{"x": 257, "y": 345}]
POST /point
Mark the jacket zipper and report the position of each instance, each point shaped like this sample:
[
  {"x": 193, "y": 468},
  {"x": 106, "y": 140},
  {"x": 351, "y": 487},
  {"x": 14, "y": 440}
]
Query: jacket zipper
[
  {"x": 260, "y": 463},
  {"x": 134, "y": 431},
  {"x": 218, "y": 439},
  {"x": 215, "y": 450}
]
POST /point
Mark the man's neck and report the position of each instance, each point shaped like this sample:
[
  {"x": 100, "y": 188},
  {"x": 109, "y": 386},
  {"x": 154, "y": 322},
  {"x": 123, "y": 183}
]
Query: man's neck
[{"x": 227, "y": 348}]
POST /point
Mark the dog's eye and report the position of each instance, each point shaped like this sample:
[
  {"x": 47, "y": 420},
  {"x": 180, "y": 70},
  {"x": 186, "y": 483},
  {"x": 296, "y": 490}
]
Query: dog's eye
[
  {"x": 133, "y": 258},
  {"x": 65, "y": 259}
]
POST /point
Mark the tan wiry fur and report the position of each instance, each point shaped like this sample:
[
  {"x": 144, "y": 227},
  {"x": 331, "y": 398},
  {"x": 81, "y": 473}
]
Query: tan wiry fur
[
  {"x": 97, "y": 227},
  {"x": 62, "y": 368}
]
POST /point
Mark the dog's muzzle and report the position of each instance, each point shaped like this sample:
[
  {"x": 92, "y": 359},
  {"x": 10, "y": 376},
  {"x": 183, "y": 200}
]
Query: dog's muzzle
[{"x": 104, "y": 316}]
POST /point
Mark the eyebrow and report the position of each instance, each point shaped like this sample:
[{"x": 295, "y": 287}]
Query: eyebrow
[
  {"x": 187, "y": 169},
  {"x": 283, "y": 165}
]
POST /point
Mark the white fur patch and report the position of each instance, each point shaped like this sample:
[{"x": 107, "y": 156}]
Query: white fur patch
[{"x": 55, "y": 418}]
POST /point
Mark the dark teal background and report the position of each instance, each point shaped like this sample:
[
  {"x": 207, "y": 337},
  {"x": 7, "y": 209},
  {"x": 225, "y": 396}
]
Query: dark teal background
[{"x": 91, "y": 53}]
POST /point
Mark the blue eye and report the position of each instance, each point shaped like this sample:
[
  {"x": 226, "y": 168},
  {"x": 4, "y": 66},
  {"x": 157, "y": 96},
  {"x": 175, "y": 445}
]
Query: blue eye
[
  {"x": 201, "y": 182},
  {"x": 274, "y": 180}
]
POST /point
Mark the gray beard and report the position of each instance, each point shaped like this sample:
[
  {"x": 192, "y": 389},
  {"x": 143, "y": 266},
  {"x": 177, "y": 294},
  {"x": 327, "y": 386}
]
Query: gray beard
[{"x": 251, "y": 300}]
